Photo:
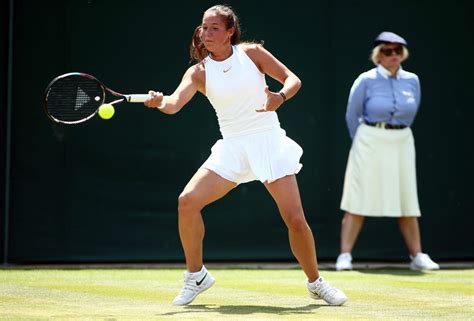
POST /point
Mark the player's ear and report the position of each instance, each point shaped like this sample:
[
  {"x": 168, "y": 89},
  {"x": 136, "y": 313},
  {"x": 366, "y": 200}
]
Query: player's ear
[{"x": 231, "y": 32}]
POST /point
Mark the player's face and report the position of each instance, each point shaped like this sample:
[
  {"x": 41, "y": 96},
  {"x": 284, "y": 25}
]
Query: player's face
[
  {"x": 391, "y": 55},
  {"x": 214, "y": 33}
]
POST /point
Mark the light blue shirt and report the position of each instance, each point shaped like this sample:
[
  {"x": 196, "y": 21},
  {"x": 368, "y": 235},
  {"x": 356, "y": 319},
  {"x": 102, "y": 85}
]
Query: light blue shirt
[{"x": 376, "y": 96}]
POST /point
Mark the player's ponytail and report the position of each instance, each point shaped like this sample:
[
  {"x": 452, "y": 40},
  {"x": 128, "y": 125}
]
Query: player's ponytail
[{"x": 197, "y": 50}]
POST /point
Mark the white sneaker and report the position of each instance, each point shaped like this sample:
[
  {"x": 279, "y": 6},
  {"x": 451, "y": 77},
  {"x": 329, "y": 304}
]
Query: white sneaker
[
  {"x": 423, "y": 261},
  {"x": 321, "y": 289},
  {"x": 194, "y": 283},
  {"x": 344, "y": 262}
]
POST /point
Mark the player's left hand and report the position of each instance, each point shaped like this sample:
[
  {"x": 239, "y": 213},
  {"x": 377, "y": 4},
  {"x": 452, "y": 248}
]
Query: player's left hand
[{"x": 274, "y": 101}]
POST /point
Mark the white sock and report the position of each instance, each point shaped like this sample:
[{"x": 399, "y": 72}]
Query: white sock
[
  {"x": 314, "y": 283},
  {"x": 203, "y": 269}
]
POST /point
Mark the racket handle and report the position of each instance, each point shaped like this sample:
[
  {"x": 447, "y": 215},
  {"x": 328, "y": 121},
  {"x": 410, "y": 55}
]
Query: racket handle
[{"x": 137, "y": 98}]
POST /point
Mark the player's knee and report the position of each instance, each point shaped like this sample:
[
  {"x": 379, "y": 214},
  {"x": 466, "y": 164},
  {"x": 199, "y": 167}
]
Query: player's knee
[
  {"x": 187, "y": 202},
  {"x": 297, "y": 223}
]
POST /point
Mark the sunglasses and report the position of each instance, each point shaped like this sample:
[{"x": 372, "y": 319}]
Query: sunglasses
[{"x": 389, "y": 51}]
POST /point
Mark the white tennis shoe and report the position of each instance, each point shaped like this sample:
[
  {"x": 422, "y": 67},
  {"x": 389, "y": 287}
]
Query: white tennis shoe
[
  {"x": 344, "y": 262},
  {"x": 194, "y": 284},
  {"x": 320, "y": 289},
  {"x": 422, "y": 261}
]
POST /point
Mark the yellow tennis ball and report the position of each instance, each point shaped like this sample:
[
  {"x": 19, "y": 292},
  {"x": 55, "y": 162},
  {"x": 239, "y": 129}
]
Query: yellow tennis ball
[{"x": 106, "y": 111}]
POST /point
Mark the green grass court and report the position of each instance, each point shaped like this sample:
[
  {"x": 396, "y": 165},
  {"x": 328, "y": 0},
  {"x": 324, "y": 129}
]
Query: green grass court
[{"x": 239, "y": 294}]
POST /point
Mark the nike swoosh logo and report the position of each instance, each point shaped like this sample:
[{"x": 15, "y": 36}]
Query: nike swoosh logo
[
  {"x": 227, "y": 69},
  {"x": 198, "y": 283}
]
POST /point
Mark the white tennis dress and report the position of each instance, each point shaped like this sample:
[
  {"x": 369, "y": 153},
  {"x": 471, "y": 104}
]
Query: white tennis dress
[{"x": 253, "y": 147}]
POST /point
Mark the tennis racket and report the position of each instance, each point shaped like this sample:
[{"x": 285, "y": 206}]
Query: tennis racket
[{"x": 75, "y": 97}]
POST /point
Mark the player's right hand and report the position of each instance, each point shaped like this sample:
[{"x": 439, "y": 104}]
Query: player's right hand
[{"x": 155, "y": 100}]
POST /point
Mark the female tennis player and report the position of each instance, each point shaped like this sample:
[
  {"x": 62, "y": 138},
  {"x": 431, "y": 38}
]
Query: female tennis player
[{"x": 253, "y": 145}]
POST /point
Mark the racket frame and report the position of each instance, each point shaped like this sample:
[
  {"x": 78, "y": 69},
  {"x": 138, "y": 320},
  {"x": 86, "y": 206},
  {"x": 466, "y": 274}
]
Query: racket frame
[{"x": 122, "y": 97}]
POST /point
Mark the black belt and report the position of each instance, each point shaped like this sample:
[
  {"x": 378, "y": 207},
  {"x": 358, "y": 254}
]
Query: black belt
[{"x": 385, "y": 125}]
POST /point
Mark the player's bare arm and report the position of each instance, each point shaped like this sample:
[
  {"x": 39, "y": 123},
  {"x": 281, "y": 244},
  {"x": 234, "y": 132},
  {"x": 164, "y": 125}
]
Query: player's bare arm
[
  {"x": 192, "y": 81},
  {"x": 270, "y": 65}
]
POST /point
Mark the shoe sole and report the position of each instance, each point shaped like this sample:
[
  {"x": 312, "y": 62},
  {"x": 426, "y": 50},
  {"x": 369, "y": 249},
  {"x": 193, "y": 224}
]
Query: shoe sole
[
  {"x": 339, "y": 303},
  {"x": 194, "y": 297},
  {"x": 317, "y": 297}
]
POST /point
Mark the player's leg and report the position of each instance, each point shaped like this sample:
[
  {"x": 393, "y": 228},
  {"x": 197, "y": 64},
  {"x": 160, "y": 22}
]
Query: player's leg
[
  {"x": 204, "y": 188},
  {"x": 286, "y": 194}
]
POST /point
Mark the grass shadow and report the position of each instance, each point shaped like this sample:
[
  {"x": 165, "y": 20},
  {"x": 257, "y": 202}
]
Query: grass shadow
[{"x": 247, "y": 309}]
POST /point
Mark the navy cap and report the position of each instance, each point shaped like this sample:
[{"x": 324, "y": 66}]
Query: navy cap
[{"x": 389, "y": 37}]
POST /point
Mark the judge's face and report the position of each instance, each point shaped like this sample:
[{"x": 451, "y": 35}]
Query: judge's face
[{"x": 391, "y": 55}]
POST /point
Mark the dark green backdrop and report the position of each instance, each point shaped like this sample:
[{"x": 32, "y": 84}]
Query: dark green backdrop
[{"x": 106, "y": 191}]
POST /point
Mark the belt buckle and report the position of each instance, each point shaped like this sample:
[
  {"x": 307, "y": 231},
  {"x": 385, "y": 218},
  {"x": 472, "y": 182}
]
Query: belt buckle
[{"x": 381, "y": 125}]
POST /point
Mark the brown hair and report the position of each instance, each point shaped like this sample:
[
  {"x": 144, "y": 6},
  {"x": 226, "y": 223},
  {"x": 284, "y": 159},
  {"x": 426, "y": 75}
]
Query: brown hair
[{"x": 197, "y": 50}]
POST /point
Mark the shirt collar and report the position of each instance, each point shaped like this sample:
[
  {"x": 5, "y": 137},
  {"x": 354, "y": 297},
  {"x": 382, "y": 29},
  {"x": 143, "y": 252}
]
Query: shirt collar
[{"x": 386, "y": 73}]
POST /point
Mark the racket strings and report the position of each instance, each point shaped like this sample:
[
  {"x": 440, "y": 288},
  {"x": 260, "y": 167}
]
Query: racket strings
[{"x": 74, "y": 99}]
